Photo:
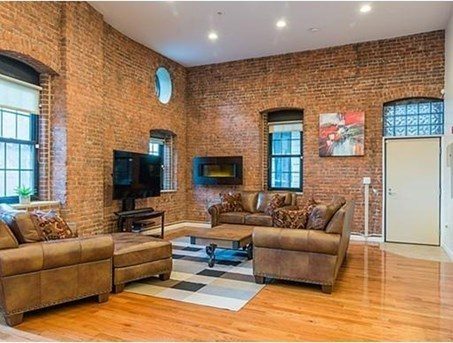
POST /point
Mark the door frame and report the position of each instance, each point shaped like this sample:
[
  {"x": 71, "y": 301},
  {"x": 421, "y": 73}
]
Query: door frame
[{"x": 384, "y": 185}]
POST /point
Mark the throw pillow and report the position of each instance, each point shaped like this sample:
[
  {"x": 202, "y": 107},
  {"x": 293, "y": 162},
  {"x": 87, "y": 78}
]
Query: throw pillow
[
  {"x": 294, "y": 218},
  {"x": 7, "y": 239},
  {"x": 321, "y": 214},
  {"x": 51, "y": 226},
  {"x": 276, "y": 201},
  {"x": 20, "y": 223},
  {"x": 336, "y": 223},
  {"x": 231, "y": 202}
]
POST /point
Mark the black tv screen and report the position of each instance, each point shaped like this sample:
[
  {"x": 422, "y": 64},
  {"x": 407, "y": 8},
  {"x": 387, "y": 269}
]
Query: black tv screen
[{"x": 135, "y": 175}]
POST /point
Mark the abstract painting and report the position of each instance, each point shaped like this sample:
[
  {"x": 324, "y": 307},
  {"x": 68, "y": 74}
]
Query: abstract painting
[{"x": 341, "y": 134}]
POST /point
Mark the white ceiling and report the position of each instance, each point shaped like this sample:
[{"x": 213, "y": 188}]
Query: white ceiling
[{"x": 179, "y": 30}]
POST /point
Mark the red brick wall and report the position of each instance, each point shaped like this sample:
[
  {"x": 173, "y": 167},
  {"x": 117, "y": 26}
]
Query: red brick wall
[
  {"x": 101, "y": 90},
  {"x": 229, "y": 97}
]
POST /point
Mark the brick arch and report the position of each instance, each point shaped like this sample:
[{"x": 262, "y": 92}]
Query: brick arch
[
  {"x": 412, "y": 98},
  {"x": 39, "y": 66},
  {"x": 275, "y": 109}
]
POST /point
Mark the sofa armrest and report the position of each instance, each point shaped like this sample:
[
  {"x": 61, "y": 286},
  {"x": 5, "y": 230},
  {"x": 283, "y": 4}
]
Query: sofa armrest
[
  {"x": 314, "y": 241},
  {"x": 215, "y": 211},
  {"x": 32, "y": 257}
]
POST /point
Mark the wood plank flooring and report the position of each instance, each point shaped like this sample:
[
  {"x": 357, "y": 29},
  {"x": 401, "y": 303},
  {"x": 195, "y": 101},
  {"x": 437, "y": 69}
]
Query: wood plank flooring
[{"x": 378, "y": 296}]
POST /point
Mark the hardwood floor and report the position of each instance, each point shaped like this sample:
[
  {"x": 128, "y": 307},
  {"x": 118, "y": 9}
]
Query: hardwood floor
[{"x": 378, "y": 296}]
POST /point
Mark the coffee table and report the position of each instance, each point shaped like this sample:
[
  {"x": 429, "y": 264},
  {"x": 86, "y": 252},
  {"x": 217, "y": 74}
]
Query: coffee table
[{"x": 226, "y": 236}]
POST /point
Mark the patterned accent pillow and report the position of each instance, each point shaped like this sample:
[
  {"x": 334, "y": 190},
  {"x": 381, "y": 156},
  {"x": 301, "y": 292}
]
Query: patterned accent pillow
[
  {"x": 51, "y": 226},
  {"x": 231, "y": 202},
  {"x": 276, "y": 201},
  {"x": 321, "y": 214},
  {"x": 294, "y": 219}
]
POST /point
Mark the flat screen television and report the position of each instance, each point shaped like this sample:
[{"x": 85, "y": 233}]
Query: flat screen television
[{"x": 135, "y": 175}]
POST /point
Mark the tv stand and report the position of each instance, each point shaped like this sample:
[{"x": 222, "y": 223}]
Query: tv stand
[{"x": 127, "y": 219}]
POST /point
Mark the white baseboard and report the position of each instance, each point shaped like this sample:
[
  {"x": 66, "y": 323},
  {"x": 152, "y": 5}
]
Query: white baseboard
[
  {"x": 448, "y": 251},
  {"x": 370, "y": 239}
]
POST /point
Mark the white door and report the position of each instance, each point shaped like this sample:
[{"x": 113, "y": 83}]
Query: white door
[{"x": 412, "y": 198}]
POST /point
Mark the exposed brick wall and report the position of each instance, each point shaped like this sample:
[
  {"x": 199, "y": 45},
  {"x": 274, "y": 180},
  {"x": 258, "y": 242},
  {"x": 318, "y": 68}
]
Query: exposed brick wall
[
  {"x": 98, "y": 95},
  {"x": 229, "y": 97},
  {"x": 101, "y": 91}
]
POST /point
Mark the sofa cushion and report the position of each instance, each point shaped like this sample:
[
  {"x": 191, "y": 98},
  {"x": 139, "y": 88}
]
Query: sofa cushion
[
  {"x": 51, "y": 226},
  {"x": 258, "y": 219},
  {"x": 249, "y": 201},
  {"x": 20, "y": 223},
  {"x": 233, "y": 217},
  {"x": 133, "y": 249},
  {"x": 265, "y": 197},
  {"x": 336, "y": 223},
  {"x": 231, "y": 202},
  {"x": 276, "y": 202},
  {"x": 7, "y": 239},
  {"x": 297, "y": 240},
  {"x": 321, "y": 214}
]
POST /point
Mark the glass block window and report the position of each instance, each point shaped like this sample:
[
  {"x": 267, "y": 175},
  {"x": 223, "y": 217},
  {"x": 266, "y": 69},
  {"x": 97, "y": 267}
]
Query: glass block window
[
  {"x": 285, "y": 155},
  {"x": 162, "y": 144},
  {"x": 18, "y": 144},
  {"x": 413, "y": 117}
]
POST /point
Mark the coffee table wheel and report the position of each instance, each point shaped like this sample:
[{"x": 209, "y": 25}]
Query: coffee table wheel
[
  {"x": 210, "y": 251},
  {"x": 249, "y": 249}
]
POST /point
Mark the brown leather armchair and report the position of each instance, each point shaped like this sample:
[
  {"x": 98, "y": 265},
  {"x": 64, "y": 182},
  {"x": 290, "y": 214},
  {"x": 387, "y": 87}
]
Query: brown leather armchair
[
  {"x": 313, "y": 256},
  {"x": 41, "y": 274}
]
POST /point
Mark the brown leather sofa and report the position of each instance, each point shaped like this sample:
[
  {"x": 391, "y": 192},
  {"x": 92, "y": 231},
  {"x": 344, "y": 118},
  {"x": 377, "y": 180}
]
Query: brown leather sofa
[
  {"x": 254, "y": 204},
  {"x": 41, "y": 274},
  {"x": 313, "y": 256}
]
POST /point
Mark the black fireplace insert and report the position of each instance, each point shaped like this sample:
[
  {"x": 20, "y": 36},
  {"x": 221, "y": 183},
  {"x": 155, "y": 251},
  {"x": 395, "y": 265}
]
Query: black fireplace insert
[{"x": 217, "y": 170}]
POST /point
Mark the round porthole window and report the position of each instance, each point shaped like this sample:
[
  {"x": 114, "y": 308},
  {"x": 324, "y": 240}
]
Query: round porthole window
[{"x": 163, "y": 85}]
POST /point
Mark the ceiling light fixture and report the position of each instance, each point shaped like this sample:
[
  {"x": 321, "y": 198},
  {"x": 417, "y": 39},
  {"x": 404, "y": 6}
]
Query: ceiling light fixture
[
  {"x": 314, "y": 29},
  {"x": 213, "y": 36},
  {"x": 280, "y": 24},
  {"x": 365, "y": 8}
]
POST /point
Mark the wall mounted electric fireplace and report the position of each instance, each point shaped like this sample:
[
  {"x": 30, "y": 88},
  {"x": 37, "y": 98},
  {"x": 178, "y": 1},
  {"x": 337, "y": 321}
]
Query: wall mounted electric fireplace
[{"x": 217, "y": 170}]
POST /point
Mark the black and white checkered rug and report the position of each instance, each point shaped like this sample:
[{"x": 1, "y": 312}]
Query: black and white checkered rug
[{"x": 229, "y": 284}]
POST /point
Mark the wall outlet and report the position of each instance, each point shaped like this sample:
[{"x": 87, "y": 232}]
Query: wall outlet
[{"x": 367, "y": 180}]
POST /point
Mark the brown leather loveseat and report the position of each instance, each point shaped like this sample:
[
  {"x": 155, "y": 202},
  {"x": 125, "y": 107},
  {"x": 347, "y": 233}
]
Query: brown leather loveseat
[
  {"x": 313, "y": 256},
  {"x": 254, "y": 205}
]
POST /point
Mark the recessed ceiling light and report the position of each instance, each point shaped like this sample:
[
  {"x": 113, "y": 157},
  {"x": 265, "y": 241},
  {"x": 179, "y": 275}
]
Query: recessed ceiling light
[
  {"x": 314, "y": 29},
  {"x": 365, "y": 8},
  {"x": 213, "y": 36},
  {"x": 280, "y": 24}
]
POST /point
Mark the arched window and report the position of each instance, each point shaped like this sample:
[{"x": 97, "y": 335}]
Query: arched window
[
  {"x": 19, "y": 109},
  {"x": 413, "y": 117}
]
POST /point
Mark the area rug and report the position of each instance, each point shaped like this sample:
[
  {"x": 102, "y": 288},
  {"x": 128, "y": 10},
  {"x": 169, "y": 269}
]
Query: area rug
[{"x": 228, "y": 285}]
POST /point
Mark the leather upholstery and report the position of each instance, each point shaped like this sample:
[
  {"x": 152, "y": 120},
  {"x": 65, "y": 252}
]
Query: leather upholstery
[
  {"x": 249, "y": 201},
  {"x": 248, "y": 198},
  {"x": 322, "y": 213},
  {"x": 336, "y": 223},
  {"x": 258, "y": 219},
  {"x": 132, "y": 249},
  {"x": 233, "y": 217},
  {"x": 42, "y": 274},
  {"x": 265, "y": 197},
  {"x": 138, "y": 256},
  {"x": 303, "y": 255},
  {"x": 7, "y": 239},
  {"x": 21, "y": 225}
]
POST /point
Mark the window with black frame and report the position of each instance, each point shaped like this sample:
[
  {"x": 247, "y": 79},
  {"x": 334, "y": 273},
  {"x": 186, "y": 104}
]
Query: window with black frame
[
  {"x": 18, "y": 140},
  {"x": 285, "y": 150},
  {"x": 19, "y": 109},
  {"x": 161, "y": 144}
]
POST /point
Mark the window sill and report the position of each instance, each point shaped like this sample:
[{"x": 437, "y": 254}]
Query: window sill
[
  {"x": 169, "y": 191},
  {"x": 35, "y": 204}
]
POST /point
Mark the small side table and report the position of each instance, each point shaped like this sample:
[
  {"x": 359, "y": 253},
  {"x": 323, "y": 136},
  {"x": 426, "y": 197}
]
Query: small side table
[{"x": 126, "y": 219}]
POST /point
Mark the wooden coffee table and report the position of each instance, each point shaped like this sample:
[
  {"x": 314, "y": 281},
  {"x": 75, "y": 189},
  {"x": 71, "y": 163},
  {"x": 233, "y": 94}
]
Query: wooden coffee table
[{"x": 226, "y": 236}]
